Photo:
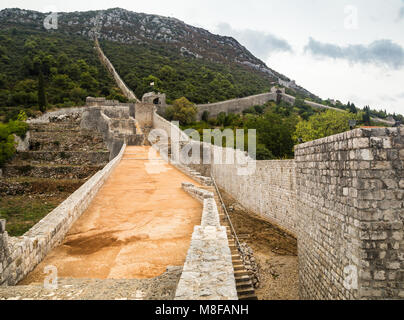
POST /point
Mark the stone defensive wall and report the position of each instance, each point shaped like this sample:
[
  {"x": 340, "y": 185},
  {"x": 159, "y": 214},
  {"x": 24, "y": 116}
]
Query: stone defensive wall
[
  {"x": 270, "y": 190},
  {"x": 235, "y": 105},
  {"x": 349, "y": 191},
  {"x": 105, "y": 61},
  {"x": 342, "y": 197},
  {"x": 20, "y": 255}
]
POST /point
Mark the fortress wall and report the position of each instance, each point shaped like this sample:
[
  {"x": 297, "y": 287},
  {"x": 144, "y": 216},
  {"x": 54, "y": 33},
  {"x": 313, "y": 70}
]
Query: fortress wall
[
  {"x": 170, "y": 129},
  {"x": 20, "y": 255},
  {"x": 342, "y": 197},
  {"x": 115, "y": 125},
  {"x": 350, "y": 190},
  {"x": 105, "y": 61},
  {"x": 61, "y": 112},
  {"x": 235, "y": 105},
  {"x": 270, "y": 191}
]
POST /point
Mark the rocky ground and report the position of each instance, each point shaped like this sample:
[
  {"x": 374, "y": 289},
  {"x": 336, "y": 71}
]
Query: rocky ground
[
  {"x": 271, "y": 253},
  {"x": 160, "y": 288}
]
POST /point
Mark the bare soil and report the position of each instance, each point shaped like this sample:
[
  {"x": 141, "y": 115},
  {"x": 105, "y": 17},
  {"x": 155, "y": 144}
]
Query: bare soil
[{"x": 274, "y": 249}]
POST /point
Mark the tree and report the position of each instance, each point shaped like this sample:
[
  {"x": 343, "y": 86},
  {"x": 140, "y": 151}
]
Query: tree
[
  {"x": 42, "y": 102},
  {"x": 352, "y": 108},
  {"x": 366, "y": 116},
  {"x": 3, "y": 81},
  {"x": 183, "y": 111},
  {"x": 275, "y": 133},
  {"x": 323, "y": 125},
  {"x": 205, "y": 116}
]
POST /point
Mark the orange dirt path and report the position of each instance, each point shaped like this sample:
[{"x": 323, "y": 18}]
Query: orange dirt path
[{"x": 140, "y": 222}]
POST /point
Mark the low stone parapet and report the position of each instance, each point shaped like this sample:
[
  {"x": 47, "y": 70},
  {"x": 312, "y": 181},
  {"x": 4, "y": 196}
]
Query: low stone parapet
[{"x": 208, "y": 272}]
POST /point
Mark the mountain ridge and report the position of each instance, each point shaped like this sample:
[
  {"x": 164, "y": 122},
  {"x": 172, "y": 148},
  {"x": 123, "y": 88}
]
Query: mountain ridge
[{"x": 121, "y": 25}]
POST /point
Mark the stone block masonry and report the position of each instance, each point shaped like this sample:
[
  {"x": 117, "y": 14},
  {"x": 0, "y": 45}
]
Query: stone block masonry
[
  {"x": 20, "y": 255},
  {"x": 208, "y": 270},
  {"x": 350, "y": 189},
  {"x": 342, "y": 197},
  {"x": 269, "y": 191},
  {"x": 235, "y": 105}
]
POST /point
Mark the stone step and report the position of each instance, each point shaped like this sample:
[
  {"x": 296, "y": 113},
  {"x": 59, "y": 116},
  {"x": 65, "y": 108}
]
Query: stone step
[
  {"x": 238, "y": 273},
  {"x": 238, "y": 267},
  {"x": 247, "y": 297},
  {"x": 51, "y": 171},
  {"x": 247, "y": 284},
  {"x": 24, "y": 186},
  {"x": 63, "y": 157},
  {"x": 242, "y": 278},
  {"x": 246, "y": 291}
]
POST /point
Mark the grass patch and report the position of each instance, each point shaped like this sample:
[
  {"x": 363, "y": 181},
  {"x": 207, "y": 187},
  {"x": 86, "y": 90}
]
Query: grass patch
[{"x": 22, "y": 213}]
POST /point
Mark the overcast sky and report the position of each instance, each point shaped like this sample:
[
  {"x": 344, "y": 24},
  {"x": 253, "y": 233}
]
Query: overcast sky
[{"x": 346, "y": 50}]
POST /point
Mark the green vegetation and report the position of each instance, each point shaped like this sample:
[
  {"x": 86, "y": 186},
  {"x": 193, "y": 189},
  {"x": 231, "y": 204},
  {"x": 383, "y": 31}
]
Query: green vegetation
[
  {"x": 7, "y": 144},
  {"x": 39, "y": 68},
  {"x": 22, "y": 213},
  {"x": 281, "y": 126},
  {"x": 182, "y": 110},
  {"x": 324, "y": 124},
  {"x": 199, "y": 80}
]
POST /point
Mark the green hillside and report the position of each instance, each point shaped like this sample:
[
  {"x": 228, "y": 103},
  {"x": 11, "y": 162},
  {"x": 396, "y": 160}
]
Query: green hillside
[
  {"x": 70, "y": 69},
  {"x": 199, "y": 80}
]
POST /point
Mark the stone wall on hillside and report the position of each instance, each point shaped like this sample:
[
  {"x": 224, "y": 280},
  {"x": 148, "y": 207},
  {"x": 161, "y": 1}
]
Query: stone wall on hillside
[
  {"x": 105, "y": 61},
  {"x": 235, "y": 105},
  {"x": 115, "y": 124}
]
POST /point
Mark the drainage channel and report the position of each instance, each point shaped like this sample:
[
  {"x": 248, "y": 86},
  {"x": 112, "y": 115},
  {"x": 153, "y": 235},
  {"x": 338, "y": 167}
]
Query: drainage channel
[{"x": 244, "y": 284}]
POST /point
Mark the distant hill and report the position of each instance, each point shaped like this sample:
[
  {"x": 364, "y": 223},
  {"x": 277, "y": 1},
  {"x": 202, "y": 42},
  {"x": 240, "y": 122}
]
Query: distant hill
[{"x": 182, "y": 59}]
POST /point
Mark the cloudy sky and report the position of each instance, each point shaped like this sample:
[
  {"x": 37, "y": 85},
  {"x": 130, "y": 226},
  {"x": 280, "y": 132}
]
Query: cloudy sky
[{"x": 347, "y": 50}]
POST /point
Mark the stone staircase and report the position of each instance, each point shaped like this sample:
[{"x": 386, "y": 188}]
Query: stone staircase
[{"x": 244, "y": 285}]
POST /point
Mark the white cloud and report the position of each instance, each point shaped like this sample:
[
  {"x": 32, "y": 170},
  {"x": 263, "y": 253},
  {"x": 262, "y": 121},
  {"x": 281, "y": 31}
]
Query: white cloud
[
  {"x": 260, "y": 43},
  {"x": 381, "y": 52}
]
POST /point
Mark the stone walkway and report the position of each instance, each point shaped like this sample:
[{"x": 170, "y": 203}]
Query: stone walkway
[{"x": 140, "y": 222}]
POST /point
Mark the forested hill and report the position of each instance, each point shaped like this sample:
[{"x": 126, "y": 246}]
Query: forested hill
[{"x": 182, "y": 60}]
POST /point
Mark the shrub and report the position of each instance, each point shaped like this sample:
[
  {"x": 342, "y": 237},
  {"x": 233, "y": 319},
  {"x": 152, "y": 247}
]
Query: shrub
[{"x": 182, "y": 110}]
